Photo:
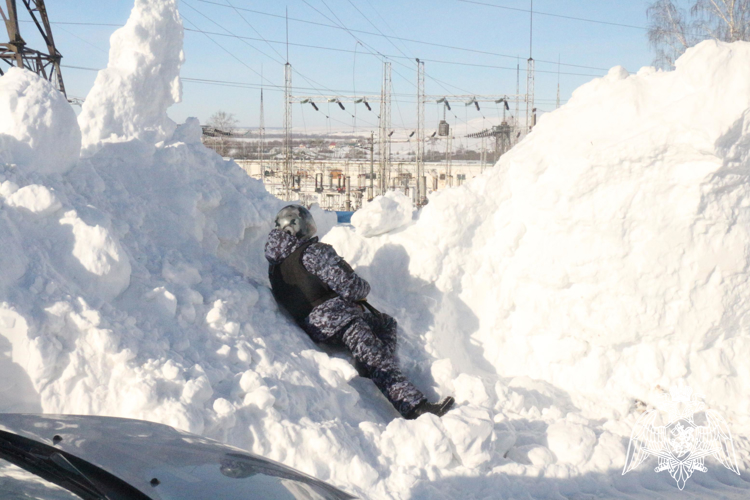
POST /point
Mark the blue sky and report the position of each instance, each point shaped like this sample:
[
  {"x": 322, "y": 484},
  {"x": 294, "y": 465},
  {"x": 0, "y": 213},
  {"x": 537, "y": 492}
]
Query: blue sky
[{"x": 455, "y": 23}]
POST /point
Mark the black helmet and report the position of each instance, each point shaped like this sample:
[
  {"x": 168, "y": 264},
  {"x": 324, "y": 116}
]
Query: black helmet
[{"x": 297, "y": 221}]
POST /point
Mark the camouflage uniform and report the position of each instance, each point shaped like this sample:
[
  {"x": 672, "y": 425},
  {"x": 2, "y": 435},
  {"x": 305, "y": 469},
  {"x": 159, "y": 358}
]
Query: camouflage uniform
[{"x": 371, "y": 338}]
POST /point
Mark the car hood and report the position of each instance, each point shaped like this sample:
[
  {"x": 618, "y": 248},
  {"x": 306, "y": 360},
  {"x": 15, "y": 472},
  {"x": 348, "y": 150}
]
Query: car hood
[{"x": 168, "y": 464}]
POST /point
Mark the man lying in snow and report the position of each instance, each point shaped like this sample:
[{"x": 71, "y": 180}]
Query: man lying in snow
[{"x": 326, "y": 298}]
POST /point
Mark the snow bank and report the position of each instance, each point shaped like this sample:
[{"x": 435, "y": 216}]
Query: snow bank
[
  {"x": 130, "y": 97},
  {"x": 38, "y": 132},
  {"x": 599, "y": 261},
  {"x": 383, "y": 214}
]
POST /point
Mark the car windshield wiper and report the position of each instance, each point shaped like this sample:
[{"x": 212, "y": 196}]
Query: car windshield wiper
[
  {"x": 68, "y": 471},
  {"x": 83, "y": 480}
]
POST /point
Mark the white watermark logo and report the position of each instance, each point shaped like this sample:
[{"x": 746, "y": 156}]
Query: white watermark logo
[{"x": 680, "y": 445}]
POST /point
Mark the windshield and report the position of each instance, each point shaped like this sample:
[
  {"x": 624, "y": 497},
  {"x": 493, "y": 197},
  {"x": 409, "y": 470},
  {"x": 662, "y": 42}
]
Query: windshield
[
  {"x": 55, "y": 466},
  {"x": 18, "y": 483}
]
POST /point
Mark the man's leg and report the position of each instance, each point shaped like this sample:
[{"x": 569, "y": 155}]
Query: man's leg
[
  {"x": 381, "y": 366},
  {"x": 385, "y": 328}
]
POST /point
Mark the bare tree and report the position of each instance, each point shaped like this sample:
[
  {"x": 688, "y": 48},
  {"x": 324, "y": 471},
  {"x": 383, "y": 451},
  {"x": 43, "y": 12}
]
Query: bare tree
[
  {"x": 224, "y": 123},
  {"x": 726, "y": 20},
  {"x": 673, "y": 28}
]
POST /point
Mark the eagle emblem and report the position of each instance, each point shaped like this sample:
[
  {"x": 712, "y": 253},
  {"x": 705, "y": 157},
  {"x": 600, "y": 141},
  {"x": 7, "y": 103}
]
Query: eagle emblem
[{"x": 680, "y": 445}]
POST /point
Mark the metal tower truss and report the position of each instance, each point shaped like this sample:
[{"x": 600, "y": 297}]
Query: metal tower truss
[
  {"x": 261, "y": 138},
  {"x": 471, "y": 99},
  {"x": 384, "y": 100},
  {"x": 385, "y": 126},
  {"x": 501, "y": 133},
  {"x": 16, "y": 53},
  {"x": 449, "y": 160},
  {"x": 421, "y": 196},
  {"x": 287, "y": 177},
  {"x": 518, "y": 93},
  {"x": 529, "y": 94}
]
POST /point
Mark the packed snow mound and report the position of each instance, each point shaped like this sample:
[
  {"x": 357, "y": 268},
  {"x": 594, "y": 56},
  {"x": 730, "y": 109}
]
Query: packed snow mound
[
  {"x": 38, "y": 130},
  {"x": 130, "y": 97},
  {"x": 601, "y": 260},
  {"x": 383, "y": 214}
]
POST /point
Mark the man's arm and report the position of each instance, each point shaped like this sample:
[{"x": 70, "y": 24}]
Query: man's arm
[
  {"x": 323, "y": 261},
  {"x": 279, "y": 245}
]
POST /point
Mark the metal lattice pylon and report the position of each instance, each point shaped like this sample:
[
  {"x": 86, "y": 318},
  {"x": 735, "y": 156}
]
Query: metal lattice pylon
[
  {"x": 529, "y": 94},
  {"x": 16, "y": 53},
  {"x": 261, "y": 138},
  {"x": 448, "y": 160},
  {"x": 287, "y": 175},
  {"x": 421, "y": 197},
  {"x": 385, "y": 125}
]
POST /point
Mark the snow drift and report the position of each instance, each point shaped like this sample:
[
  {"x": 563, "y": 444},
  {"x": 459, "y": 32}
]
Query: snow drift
[
  {"x": 38, "y": 132},
  {"x": 600, "y": 261},
  {"x": 130, "y": 98}
]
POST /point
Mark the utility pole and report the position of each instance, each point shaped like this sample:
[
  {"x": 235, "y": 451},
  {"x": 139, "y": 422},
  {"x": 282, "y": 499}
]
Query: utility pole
[
  {"x": 421, "y": 196},
  {"x": 16, "y": 53},
  {"x": 384, "y": 135},
  {"x": 483, "y": 155},
  {"x": 557, "y": 103},
  {"x": 530, "y": 75},
  {"x": 287, "y": 175},
  {"x": 261, "y": 138},
  {"x": 518, "y": 91},
  {"x": 448, "y": 159},
  {"x": 372, "y": 166}
]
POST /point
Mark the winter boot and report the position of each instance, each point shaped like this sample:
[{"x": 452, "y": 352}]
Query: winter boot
[{"x": 438, "y": 409}]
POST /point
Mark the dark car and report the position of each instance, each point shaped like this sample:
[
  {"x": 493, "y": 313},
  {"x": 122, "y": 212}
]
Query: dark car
[{"x": 56, "y": 456}]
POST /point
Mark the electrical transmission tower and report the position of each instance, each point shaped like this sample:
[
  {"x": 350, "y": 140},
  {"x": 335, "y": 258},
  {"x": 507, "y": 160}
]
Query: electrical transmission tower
[
  {"x": 385, "y": 125},
  {"x": 530, "y": 94},
  {"x": 287, "y": 178},
  {"x": 530, "y": 111},
  {"x": 16, "y": 53},
  {"x": 557, "y": 102},
  {"x": 384, "y": 128},
  {"x": 421, "y": 195},
  {"x": 518, "y": 91},
  {"x": 261, "y": 138},
  {"x": 448, "y": 159}
]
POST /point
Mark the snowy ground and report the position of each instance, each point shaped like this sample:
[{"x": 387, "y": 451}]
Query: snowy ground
[{"x": 600, "y": 262}]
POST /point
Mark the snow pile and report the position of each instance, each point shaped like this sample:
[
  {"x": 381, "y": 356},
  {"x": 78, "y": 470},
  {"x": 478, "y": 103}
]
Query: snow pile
[
  {"x": 130, "y": 98},
  {"x": 38, "y": 131},
  {"x": 383, "y": 214},
  {"x": 599, "y": 261}
]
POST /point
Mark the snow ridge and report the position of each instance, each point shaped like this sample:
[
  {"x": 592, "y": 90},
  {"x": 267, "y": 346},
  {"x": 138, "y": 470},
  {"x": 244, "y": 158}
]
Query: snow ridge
[{"x": 590, "y": 268}]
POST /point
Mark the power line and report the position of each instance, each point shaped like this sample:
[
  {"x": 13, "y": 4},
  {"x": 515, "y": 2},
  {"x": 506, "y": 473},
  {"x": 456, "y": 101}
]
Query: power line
[
  {"x": 227, "y": 50},
  {"x": 390, "y": 56},
  {"x": 555, "y": 15},
  {"x": 465, "y": 49},
  {"x": 273, "y": 88},
  {"x": 439, "y": 82},
  {"x": 319, "y": 47},
  {"x": 365, "y": 45},
  {"x": 308, "y": 80},
  {"x": 253, "y": 28},
  {"x": 360, "y": 31},
  {"x": 75, "y": 23},
  {"x": 83, "y": 40},
  {"x": 393, "y": 32}
]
